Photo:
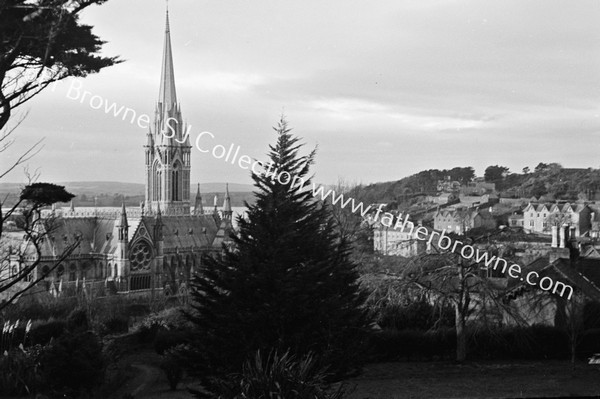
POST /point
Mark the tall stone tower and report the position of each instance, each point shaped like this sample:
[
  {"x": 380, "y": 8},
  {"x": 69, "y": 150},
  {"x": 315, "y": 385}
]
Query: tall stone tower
[{"x": 168, "y": 148}]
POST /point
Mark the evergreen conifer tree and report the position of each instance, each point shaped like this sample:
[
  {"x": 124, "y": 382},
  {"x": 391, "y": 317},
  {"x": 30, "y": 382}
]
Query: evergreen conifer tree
[{"x": 286, "y": 285}]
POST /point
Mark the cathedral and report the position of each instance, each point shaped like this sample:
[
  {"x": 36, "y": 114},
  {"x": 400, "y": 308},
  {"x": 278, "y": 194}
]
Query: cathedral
[{"x": 153, "y": 248}]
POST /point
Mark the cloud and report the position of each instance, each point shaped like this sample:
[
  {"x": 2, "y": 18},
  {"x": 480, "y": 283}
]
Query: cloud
[
  {"x": 359, "y": 112},
  {"x": 223, "y": 82}
]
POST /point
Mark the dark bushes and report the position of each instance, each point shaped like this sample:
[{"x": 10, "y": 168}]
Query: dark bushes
[
  {"x": 115, "y": 325},
  {"x": 527, "y": 343},
  {"x": 171, "y": 365},
  {"x": 418, "y": 315},
  {"x": 73, "y": 364},
  {"x": 392, "y": 345},
  {"x": 167, "y": 339},
  {"x": 19, "y": 373},
  {"x": 280, "y": 376},
  {"x": 589, "y": 343},
  {"x": 42, "y": 333}
]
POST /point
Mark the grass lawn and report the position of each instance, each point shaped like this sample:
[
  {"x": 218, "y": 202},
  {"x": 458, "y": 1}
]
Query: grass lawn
[{"x": 476, "y": 380}]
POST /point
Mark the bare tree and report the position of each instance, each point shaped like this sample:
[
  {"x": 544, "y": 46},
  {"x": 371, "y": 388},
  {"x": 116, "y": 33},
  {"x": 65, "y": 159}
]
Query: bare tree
[
  {"x": 17, "y": 275},
  {"x": 351, "y": 225},
  {"x": 463, "y": 283}
]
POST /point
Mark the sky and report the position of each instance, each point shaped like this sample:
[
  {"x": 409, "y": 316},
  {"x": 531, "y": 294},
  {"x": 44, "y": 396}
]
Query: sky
[{"x": 383, "y": 89}]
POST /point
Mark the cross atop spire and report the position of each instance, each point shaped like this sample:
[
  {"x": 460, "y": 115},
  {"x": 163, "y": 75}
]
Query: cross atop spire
[{"x": 167, "y": 95}]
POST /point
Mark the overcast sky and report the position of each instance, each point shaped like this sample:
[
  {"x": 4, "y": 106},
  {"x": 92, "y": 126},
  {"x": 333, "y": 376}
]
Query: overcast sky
[{"x": 384, "y": 88}]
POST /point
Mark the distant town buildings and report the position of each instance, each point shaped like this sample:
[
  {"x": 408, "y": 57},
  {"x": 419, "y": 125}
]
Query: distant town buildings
[
  {"x": 539, "y": 217},
  {"x": 460, "y": 220},
  {"x": 400, "y": 242}
]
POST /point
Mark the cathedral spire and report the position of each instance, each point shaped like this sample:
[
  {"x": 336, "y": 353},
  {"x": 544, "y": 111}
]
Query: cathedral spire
[
  {"x": 227, "y": 212},
  {"x": 198, "y": 210},
  {"x": 167, "y": 95},
  {"x": 167, "y": 152}
]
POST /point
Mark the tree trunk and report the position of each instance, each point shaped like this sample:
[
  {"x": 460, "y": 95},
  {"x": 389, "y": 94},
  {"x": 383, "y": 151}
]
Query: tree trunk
[{"x": 461, "y": 337}]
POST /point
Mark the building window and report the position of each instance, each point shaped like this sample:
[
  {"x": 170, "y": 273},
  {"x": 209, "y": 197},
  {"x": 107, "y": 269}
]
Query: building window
[{"x": 72, "y": 273}]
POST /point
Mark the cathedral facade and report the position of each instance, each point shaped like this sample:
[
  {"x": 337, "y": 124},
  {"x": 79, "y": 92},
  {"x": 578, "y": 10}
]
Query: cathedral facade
[{"x": 153, "y": 248}]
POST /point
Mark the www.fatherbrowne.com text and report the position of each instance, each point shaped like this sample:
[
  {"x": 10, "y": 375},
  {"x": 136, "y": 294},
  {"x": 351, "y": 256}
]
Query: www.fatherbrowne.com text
[{"x": 232, "y": 155}]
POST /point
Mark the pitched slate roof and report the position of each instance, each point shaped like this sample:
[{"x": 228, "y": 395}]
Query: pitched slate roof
[
  {"x": 582, "y": 273},
  {"x": 97, "y": 235},
  {"x": 188, "y": 231}
]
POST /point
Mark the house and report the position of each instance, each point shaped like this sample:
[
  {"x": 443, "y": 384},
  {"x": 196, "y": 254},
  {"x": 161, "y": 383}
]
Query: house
[
  {"x": 446, "y": 199},
  {"x": 594, "y": 232},
  {"x": 516, "y": 220},
  {"x": 575, "y": 273},
  {"x": 448, "y": 186},
  {"x": 478, "y": 187},
  {"x": 401, "y": 241},
  {"x": 539, "y": 217},
  {"x": 535, "y": 218},
  {"x": 461, "y": 220}
]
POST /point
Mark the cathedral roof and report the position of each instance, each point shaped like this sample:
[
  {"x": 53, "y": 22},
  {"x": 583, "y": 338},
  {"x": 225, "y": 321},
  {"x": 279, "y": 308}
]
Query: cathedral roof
[
  {"x": 188, "y": 231},
  {"x": 223, "y": 234},
  {"x": 98, "y": 235}
]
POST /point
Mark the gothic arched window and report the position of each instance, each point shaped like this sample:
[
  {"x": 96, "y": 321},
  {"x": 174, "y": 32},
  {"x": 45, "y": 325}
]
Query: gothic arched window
[{"x": 176, "y": 183}]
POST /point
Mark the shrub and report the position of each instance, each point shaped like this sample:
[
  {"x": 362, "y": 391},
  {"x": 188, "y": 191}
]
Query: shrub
[
  {"x": 43, "y": 310},
  {"x": 535, "y": 342},
  {"x": 148, "y": 329},
  {"x": 418, "y": 315},
  {"x": 115, "y": 325},
  {"x": 393, "y": 345},
  {"x": 280, "y": 377},
  {"x": 589, "y": 343},
  {"x": 172, "y": 367},
  {"x": 42, "y": 332},
  {"x": 78, "y": 321},
  {"x": 167, "y": 339},
  {"x": 19, "y": 372},
  {"x": 73, "y": 364},
  {"x": 527, "y": 343}
]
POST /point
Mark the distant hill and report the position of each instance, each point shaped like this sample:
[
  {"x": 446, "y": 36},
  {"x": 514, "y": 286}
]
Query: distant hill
[
  {"x": 547, "y": 182},
  {"x": 114, "y": 193},
  {"x": 422, "y": 183}
]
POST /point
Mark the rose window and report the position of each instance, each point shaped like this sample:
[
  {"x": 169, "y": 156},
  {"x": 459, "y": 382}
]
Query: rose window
[{"x": 140, "y": 257}]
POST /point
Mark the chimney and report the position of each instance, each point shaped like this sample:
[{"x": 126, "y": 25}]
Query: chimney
[
  {"x": 554, "y": 236},
  {"x": 562, "y": 239}
]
